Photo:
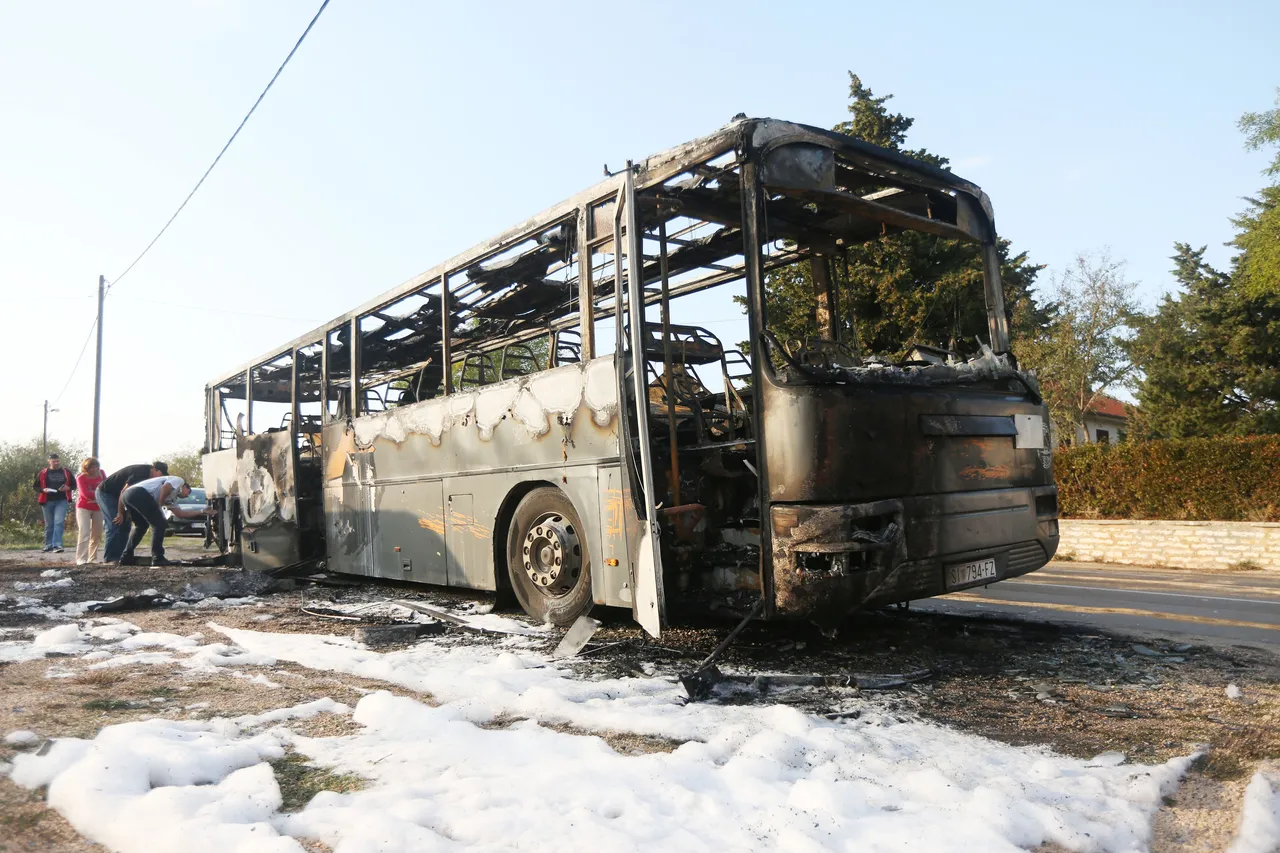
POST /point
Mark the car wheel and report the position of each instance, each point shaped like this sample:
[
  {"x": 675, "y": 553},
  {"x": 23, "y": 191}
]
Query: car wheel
[{"x": 547, "y": 558}]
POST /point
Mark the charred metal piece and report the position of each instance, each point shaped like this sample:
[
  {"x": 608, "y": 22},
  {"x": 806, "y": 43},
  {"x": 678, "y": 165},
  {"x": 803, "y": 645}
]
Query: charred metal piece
[
  {"x": 130, "y": 604},
  {"x": 576, "y": 638},
  {"x": 701, "y": 685},
  {"x": 330, "y": 613},
  {"x": 390, "y": 635},
  {"x": 699, "y": 682}
]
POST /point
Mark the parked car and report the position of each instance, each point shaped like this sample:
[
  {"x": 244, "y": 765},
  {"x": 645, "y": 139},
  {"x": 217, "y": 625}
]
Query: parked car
[{"x": 188, "y": 526}]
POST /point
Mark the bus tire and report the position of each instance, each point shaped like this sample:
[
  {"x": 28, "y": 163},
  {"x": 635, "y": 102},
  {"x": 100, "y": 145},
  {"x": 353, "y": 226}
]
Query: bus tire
[{"x": 547, "y": 558}]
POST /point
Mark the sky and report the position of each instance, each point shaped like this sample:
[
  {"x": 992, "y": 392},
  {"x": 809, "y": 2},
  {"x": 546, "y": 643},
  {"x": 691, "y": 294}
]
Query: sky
[{"x": 403, "y": 133}]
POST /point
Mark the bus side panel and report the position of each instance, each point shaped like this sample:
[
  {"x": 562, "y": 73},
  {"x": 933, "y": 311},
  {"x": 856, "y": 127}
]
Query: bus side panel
[
  {"x": 610, "y": 582},
  {"x": 473, "y": 504},
  {"x": 346, "y": 474},
  {"x": 553, "y": 427},
  {"x": 409, "y": 520},
  {"x": 218, "y": 473},
  {"x": 470, "y": 542}
]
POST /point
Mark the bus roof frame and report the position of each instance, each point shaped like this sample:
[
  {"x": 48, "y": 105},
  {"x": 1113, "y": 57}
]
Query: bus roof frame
[{"x": 740, "y": 134}]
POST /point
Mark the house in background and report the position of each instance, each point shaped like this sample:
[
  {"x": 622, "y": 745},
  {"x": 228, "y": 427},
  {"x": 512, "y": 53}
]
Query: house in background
[{"x": 1106, "y": 421}]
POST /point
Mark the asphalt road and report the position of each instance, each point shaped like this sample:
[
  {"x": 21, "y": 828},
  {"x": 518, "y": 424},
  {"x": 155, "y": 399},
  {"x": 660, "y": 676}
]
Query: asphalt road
[{"x": 1218, "y": 607}]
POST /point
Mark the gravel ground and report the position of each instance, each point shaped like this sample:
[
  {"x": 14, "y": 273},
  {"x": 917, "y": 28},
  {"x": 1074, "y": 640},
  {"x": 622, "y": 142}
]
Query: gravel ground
[{"x": 1079, "y": 692}]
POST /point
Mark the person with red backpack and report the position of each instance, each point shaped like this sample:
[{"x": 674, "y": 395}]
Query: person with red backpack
[{"x": 53, "y": 486}]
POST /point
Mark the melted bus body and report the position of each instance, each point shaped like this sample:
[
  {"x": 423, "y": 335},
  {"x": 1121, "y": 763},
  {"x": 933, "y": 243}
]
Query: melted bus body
[{"x": 548, "y": 414}]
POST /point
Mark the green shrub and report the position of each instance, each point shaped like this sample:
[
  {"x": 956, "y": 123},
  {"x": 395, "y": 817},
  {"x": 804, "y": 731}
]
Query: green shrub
[
  {"x": 1187, "y": 479},
  {"x": 14, "y": 534}
]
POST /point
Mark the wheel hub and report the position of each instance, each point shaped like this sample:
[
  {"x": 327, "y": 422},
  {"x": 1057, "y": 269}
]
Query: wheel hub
[{"x": 551, "y": 554}]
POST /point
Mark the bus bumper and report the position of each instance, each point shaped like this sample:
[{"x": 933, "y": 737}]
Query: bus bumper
[{"x": 831, "y": 560}]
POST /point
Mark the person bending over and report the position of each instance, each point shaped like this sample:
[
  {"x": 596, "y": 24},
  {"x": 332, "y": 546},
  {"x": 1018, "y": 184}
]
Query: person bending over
[
  {"x": 143, "y": 502},
  {"x": 114, "y": 518}
]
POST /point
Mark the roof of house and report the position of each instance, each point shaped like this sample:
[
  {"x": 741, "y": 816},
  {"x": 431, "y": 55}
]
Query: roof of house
[{"x": 1109, "y": 407}]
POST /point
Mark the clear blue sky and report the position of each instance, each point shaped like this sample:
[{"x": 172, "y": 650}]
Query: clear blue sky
[{"x": 404, "y": 132}]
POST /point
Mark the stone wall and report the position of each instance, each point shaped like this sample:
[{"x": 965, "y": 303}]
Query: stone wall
[{"x": 1181, "y": 544}]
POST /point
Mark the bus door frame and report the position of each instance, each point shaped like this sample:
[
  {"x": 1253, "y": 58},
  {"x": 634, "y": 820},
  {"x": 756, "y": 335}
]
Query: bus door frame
[{"x": 648, "y": 603}]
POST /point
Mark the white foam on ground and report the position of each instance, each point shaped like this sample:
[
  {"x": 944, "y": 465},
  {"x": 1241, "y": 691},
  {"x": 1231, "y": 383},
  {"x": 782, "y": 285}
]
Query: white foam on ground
[
  {"x": 24, "y": 586},
  {"x": 164, "y": 786},
  {"x": 761, "y": 778},
  {"x": 21, "y": 737},
  {"x": 1259, "y": 830},
  {"x": 746, "y": 777}
]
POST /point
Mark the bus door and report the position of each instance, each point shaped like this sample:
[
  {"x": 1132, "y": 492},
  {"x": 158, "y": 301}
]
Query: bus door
[
  {"x": 648, "y": 604},
  {"x": 266, "y": 484}
]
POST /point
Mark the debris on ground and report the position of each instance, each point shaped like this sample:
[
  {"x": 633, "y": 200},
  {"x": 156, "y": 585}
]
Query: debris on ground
[
  {"x": 577, "y": 637},
  {"x": 701, "y": 684},
  {"x": 374, "y": 636},
  {"x": 131, "y": 604},
  {"x": 330, "y": 613}
]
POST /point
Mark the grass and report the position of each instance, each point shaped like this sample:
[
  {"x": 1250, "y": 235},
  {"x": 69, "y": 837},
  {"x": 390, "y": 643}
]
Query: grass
[
  {"x": 21, "y": 821},
  {"x": 1245, "y": 566},
  {"x": 299, "y": 781},
  {"x": 107, "y": 705},
  {"x": 1236, "y": 753},
  {"x": 21, "y": 537},
  {"x": 100, "y": 677}
]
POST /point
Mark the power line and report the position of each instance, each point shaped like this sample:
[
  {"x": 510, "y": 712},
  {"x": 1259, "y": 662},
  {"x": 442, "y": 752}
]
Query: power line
[
  {"x": 212, "y": 309},
  {"x": 228, "y": 145},
  {"x": 79, "y": 358},
  {"x": 41, "y": 298}
]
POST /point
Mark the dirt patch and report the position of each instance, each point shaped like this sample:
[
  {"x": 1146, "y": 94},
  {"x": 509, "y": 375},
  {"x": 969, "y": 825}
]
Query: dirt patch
[
  {"x": 1192, "y": 820},
  {"x": 300, "y": 780},
  {"x": 624, "y": 743},
  {"x": 27, "y": 824}
]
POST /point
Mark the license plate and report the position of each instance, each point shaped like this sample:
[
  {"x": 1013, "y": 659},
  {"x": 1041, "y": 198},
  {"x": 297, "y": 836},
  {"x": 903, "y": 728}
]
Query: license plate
[{"x": 968, "y": 574}]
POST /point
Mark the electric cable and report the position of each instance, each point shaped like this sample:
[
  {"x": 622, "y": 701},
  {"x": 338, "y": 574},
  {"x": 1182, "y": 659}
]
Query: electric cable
[
  {"x": 225, "y": 147},
  {"x": 209, "y": 309},
  {"x": 79, "y": 358}
]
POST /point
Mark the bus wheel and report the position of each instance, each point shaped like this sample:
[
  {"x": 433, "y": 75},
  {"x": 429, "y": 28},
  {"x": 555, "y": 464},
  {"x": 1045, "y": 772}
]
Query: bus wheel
[{"x": 547, "y": 558}]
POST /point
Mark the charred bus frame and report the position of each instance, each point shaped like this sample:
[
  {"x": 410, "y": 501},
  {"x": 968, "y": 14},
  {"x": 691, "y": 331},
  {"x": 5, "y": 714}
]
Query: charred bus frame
[{"x": 466, "y": 428}]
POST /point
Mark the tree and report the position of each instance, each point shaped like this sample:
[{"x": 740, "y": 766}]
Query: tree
[
  {"x": 186, "y": 465},
  {"x": 1210, "y": 356},
  {"x": 1258, "y": 265},
  {"x": 1082, "y": 352},
  {"x": 908, "y": 287},
  {"x": 19, "y": 464}
]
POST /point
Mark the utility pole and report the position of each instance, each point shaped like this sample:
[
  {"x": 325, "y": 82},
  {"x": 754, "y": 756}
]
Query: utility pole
[
  {"x": 97, "y": 371},
  {"x": 44, "y": 441}
]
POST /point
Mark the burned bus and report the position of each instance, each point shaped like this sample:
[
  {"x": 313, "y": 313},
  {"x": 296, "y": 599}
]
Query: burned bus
[{"x": 547, "y": 415}]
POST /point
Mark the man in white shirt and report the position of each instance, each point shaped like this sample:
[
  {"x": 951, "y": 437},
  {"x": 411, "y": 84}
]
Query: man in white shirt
[{"x": 143, "y": 501}]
